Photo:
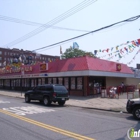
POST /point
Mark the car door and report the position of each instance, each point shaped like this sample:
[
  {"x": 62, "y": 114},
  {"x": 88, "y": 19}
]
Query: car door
[
  {"x": 35, "y": 93},
  {"x": 40, "y": 92},
  {"x": 49, "y": 91}
]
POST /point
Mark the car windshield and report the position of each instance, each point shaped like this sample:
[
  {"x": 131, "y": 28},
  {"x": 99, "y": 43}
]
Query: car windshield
[{"x": 60, "y": 88}]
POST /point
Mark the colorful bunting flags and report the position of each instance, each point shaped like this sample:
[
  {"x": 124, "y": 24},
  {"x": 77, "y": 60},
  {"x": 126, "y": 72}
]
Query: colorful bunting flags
[
  {"x": 134, "y": 57},
  {"x": 130, "y": 44},
  {"x": 120, "y": 52}
]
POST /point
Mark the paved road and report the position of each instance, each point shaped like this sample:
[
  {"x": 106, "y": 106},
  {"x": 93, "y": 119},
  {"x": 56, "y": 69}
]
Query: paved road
[
  {"x": 34, "y": 121},
  {"x": 109, "y": 104}
]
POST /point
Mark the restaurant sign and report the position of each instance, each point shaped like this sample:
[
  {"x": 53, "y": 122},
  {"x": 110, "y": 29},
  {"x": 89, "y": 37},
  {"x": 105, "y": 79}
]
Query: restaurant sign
[
  {"x": 118, "y": 67},
  {"x": 43, "y": 67}
]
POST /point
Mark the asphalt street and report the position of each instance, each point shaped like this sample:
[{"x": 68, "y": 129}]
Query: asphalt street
[{"x": 34, "y": 121}]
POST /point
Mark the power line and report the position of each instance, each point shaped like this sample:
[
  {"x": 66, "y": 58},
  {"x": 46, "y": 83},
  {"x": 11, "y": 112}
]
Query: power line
[
  {"x": 122, "y": 24},
  {"x": 126, "y": 20},
  {"x": 58, "y": 19},
  {"x": 26, "y": 22}
]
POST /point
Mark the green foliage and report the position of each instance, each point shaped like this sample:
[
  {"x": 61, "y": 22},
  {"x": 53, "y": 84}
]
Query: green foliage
[{"x": 70, "y": 52}]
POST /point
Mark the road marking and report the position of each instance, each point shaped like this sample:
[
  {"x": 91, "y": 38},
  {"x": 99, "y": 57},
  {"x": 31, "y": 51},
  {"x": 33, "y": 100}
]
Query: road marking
[
  {"x": 49, "y": 127},
  {"x": 4, "y": 102},
  {"x": 27, "y": 110}
]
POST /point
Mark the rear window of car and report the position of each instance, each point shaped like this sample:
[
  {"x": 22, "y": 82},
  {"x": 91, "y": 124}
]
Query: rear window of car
[{"x": 60, "y": 88}]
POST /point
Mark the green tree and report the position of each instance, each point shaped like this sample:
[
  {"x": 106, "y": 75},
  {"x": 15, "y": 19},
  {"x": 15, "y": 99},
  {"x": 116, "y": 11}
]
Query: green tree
[{"x": 70, "y": 52}]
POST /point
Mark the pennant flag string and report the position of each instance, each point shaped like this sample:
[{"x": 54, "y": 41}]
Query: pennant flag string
[
  {"x": 120, "y": 55},
  {"x": 121, "y": 51},
  {"x": 134, "y": 57},
  {"x": 134, "y": 43}
]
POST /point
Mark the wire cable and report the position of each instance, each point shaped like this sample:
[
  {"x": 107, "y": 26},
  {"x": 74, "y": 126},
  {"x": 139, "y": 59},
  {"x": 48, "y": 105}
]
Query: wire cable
[
  {"x": 127, "y": 20},
  {"x": 31, "y": 23},
  {"x": 58, "y": 19}
]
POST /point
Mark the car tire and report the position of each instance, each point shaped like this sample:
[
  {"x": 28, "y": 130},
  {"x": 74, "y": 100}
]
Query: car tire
[
  {"x": 61, "y": 103},
  {"x": 27, "y": 99},
  {"x": 136, "y": 113},
  {"x": 46, "y": 101}
]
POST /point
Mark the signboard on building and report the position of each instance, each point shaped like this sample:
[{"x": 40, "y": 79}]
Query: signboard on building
[
  {"x": 118, "y": 67},
  {"x": 43, "y": 67}
]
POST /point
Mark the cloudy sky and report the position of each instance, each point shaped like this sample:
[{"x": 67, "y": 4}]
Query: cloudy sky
[{"x": 33, "y": 24}]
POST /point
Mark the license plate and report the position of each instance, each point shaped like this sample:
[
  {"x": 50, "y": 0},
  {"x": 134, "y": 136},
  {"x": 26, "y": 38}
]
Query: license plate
[{"x": 63, "y": 98}]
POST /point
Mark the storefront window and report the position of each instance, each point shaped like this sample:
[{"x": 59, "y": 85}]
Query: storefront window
[
  {"x": 39, "y": 81},
  {"x": 32, "y": 83},
  {"x": 60, "y": 81},
  {"x": 23, "y": 83},
  {"x": 35, "y": 82},
  {"x": 66, "y": 83},
  {"x": 49, "y": 80},
  {"x": 27, "y": 83},
  {"x": 1, "y": 82},
  {"x": 7, "y": 83},
  {"x": 17, "y": 82},
  {"x": 79, "y": 83},
  {"x": 12, "y": 83},
  {"x": 54, "y": 81},
  {"x": 73, "y": 83},
  {"x": 43, "y": 80}
]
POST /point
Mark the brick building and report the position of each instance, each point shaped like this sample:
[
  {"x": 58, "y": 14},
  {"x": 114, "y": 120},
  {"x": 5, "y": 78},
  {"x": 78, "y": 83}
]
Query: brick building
[{"x": 8, "y": 56}]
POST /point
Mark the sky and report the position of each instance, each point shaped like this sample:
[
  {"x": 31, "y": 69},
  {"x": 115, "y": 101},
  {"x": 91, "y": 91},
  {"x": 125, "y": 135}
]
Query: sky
[{"x": 98, "y": 14}]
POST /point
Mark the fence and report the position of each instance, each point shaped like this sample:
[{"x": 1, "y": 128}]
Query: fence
[{"x": 118, "y": 90}]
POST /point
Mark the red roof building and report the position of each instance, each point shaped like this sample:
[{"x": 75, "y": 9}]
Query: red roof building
[
  {"x": 89, "y": 64},
  {"x": 81, "y": 75}
]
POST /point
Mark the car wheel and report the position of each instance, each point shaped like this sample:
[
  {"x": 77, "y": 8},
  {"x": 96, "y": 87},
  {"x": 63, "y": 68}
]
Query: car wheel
[
  {"x": 61, "y": 103},
  {"x": 136, "y": 113},
  {"x": 27, "y": 99},
  {"x": 46, "y": 101}
]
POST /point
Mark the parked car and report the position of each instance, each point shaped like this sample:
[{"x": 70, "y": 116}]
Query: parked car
[
  {"x": 47, "y": 94},
  {"x": 133, "y": 106}
]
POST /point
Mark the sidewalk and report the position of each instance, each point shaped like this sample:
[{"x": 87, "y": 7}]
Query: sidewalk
[{"x": 108, "y": 104}]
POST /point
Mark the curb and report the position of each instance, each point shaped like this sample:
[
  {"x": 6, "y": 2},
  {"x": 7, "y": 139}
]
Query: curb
[
  {"x": 12, "y": 96},
  {"x": 99, "y": 109}
]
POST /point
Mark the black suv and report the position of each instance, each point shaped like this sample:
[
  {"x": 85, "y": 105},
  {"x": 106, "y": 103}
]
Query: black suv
[
  {"x": 47, "y": 94},
  {"x": 133, "y": 106}
]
